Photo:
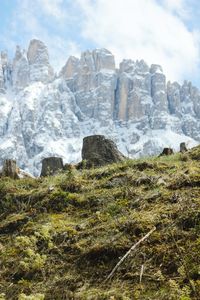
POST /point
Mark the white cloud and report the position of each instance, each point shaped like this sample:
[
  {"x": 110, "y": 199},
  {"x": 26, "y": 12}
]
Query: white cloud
[
  {"x": 60, "y": 49},
  {"x": 143, "y": 29},
  {"x": 153, "y": 30},
  {"x": 180, "y": 8},
  {"x": 174, "y": 4},
  {"x": 43, "y": 19},
  {"x": 52, "y": 8}
]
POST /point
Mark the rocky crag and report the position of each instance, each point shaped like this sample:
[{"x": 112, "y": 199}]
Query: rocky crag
[{"x": 45, "y": 114}]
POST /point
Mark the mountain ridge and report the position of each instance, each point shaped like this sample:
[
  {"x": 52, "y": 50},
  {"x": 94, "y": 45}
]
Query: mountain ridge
[{"x": 44, "y": 114}]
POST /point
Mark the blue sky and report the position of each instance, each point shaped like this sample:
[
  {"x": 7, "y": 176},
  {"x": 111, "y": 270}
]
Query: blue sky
[{"x": 166, "y": 32}]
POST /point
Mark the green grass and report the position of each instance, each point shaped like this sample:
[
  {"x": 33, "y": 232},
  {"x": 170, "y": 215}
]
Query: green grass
[{"x": 61, "y": 236}]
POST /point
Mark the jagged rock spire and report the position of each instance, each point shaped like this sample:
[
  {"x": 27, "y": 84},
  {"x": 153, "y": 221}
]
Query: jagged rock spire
[
  {"x": 38, "y": 59},
  {"x": 21, "y": 70},
  {"x": 42, "y": 115},
  {"x": 2, "y": 84}
]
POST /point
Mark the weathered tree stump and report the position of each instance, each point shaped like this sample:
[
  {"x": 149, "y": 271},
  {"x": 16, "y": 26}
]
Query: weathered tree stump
[
  {"x": 183, "y": 148},
  {"x": 167, "y": 151},
  {"x": 51, "y": 166},
  {"x": 10, "y": 169},
  {"x": 99, "y": 151}
]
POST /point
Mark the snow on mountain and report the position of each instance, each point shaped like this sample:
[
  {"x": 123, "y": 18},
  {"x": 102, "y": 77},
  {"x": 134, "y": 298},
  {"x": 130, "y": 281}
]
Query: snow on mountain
[{"x": 43, "y": 114}]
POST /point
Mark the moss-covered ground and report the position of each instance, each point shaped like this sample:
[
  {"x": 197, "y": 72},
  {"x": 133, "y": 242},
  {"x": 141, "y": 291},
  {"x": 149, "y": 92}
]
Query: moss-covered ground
[{"x": 60, "y": 237}]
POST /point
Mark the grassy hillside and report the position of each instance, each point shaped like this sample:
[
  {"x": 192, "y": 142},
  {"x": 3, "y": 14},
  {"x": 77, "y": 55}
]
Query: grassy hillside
[{"x": 60, "y": 237}]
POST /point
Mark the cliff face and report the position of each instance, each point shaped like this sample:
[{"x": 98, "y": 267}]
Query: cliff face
[{"x": 45, "y": 114}]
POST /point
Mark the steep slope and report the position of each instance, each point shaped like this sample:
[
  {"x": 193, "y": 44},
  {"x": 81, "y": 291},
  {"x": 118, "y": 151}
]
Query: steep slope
[
  {"x": 46, "y": 114},
  {"x": 60, "y": 237}
]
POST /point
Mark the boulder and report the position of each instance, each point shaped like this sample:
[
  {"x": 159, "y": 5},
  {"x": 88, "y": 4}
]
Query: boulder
[
  {"x": 99, "y": 151},
  {"x": 167, "y": 151},
  {"x": 10, "y": 169},
  {"x": 51, "y": 166},
  {"x": 183, "y": 147},
  {"x": 24, "y": 174}
]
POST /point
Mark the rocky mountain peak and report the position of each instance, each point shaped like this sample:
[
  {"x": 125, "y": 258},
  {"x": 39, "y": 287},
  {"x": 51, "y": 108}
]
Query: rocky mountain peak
[
  {"x": 42, "y": 115},
  {"x": 130, "y": 66},
  {"x": 2, "y": 86},
  {"x": 38, "y": 58},
  {"x": 156, "y": 69},
  {"x": 6, "y": 67},
  {"x": 4, "y": 58},
  {"x": 18, "y": 55},
  {"x": 37, "y": 52},
  {"x": 70, "y": 68},
  {"x": 21, "y": 70},
  {"x": 103, "y": 59},
  {"x": 97, "y": 60}
]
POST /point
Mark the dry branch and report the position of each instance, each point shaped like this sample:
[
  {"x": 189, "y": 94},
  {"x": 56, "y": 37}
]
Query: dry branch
[
  {"x": 141, "y": 273},
  {"x": 128, "y": 252}
]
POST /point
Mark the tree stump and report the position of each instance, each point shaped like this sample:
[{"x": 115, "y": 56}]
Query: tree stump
[
  {"x": 183, "y": 148},
  {"x": 51, "y": 166},
  {"x": 99, "y": 151},
  {"x": 10, "y": 169},
  {"x": 167, "y": 151}
]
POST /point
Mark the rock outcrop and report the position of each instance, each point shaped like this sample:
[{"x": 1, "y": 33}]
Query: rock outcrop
[
  {"x": 21, "y": 70},
  {"x": 92, "y": 79},
  {"x": 133, "y": 95},
  {"x": 2, "y": 85},
  {"x": 70, "y": 68},
  {"x": 5, "y": 71},
  {"x": 38, "y": 58},
  {"x": 99, "y": 151},
  {"x": 51, "y": 166},
  {"x": 43, "y": 114}
]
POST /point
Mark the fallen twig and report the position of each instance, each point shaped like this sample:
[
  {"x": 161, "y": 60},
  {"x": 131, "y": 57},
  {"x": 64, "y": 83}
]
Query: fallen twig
[
  {"x": 141, "y": 273},
  {"x": 128, "y": 252}
]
